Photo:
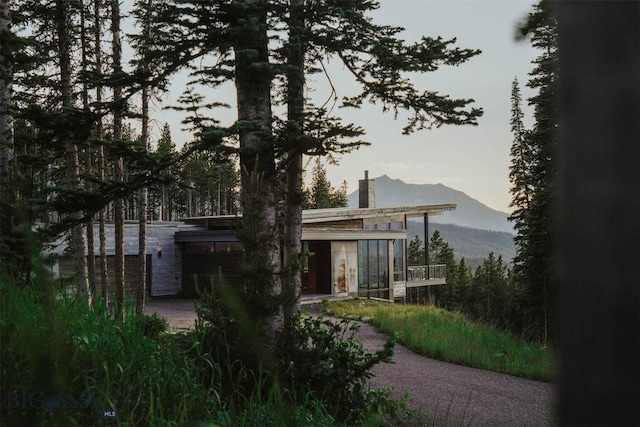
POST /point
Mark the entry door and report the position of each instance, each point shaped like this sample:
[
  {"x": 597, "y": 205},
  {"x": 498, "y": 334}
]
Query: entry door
[{"x": 317, "y": 278}]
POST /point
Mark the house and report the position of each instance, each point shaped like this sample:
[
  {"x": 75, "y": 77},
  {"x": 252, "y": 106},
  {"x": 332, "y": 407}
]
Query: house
[{"x": 348, "y": 251}]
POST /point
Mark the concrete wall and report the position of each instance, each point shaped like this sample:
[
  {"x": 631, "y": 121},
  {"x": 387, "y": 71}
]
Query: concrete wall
[
  {"x": 165, "y": 260},
  {"x": 165, "y": 254}
]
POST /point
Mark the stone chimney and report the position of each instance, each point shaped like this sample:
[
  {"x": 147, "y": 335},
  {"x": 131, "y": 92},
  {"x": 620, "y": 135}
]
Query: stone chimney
[{"x": 367, "y": 192}]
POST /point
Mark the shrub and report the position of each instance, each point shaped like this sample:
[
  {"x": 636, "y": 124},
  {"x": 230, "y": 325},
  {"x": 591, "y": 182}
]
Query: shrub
[
  {"x": 152, "y": 326},
  {"x": 317, "y": 360},
  {"x": 322, "y": 358}
]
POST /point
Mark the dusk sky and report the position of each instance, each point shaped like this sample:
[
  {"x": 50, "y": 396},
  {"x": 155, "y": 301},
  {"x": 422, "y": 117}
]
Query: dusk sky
[{"x": 472, "y": 159}]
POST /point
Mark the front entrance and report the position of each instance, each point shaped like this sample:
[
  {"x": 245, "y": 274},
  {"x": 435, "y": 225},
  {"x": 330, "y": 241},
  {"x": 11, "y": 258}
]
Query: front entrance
[
  {"x": 205, "y": 263},
  {"x": 316, "y": 279}
]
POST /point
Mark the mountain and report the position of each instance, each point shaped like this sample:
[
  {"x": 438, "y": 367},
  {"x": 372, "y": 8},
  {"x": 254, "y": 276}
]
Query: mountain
[
  {"x": 468, "y": 213},
  {"x": 472, "y": 230}
]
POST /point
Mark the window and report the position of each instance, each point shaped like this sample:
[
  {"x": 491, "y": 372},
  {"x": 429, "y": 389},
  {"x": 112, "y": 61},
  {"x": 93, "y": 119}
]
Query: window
[
  {"x": 212, "y": 247},
  {"x": 398, "y": 260},
  {"x": 373, "y": 268}
]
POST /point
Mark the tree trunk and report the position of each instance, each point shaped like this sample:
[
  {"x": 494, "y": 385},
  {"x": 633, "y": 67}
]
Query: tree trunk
[
  {"x": 294, "y": 194},
  {"x": 7, "y": 187},
  {"x": 97, "y": 10},
  {"x": 118, "y": 164},
  {"x": 91, "y": 258},
  {"x": 143, "y": 202},
  {"x": 71, "y": 149},
  {"x": 258, "y": 177},
  {"x": 6, "y": 120}
]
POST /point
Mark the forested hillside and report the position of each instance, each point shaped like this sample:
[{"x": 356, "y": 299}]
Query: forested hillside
[{"x": 472, "y": 244}]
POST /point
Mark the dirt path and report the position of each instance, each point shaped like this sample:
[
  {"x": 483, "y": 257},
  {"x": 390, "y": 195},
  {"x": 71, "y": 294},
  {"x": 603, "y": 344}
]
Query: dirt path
[{"x": 458, "y": 394}]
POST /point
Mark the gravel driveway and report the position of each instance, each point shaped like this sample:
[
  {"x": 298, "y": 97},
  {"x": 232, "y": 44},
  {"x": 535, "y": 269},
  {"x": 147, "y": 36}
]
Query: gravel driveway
[
  {"x": 461, "y": 395},
  {"x": 457, "y": 394}
]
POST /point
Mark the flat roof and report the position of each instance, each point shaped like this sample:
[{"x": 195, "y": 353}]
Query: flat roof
[
  {"x": 339, "y": 214},
  {"x": 312, "y": 216}
]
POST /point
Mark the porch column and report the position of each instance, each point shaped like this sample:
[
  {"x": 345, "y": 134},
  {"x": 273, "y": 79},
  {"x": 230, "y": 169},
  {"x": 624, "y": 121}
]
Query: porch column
[
  {"x": 426, "y": 254},
  {"x": 426, "y": 244},
  {"x": 391, "y": 268}
]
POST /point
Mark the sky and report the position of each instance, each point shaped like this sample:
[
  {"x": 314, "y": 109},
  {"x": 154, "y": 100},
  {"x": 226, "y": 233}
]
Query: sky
[{"x": 471, "y": 159}]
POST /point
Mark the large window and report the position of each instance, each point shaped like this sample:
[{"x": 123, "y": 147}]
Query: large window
[
  {"x": 398, "y": 254},
  {"x": 373, "y": 268},
  {"x": 207, "y": 263},
  {"x": 211, "y": 247},
  {"x": 398, "y": 260}
]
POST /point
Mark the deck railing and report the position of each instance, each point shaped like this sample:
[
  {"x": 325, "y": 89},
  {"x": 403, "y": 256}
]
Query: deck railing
[{"x": 419, "y": 272}]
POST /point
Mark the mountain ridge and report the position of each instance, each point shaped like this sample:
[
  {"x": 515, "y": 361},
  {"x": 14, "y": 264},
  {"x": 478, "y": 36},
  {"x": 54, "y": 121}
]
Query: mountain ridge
[
  {"x": 473, "y": 230},
  {"x": 469, "y": 212}
]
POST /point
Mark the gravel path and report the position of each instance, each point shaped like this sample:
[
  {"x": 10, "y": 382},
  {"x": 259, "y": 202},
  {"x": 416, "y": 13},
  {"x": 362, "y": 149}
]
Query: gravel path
[
  {"x": 461, "y": 395},
  {"x": 445, "y": 391}
]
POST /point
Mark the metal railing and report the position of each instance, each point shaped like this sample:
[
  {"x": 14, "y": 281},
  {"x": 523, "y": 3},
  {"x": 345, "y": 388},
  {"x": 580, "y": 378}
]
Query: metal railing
[{"x": 419, "y": 272}]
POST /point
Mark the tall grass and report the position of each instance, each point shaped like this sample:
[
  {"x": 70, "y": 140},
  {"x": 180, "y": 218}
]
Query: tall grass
[
  {"x": 450, "y": 337},
  {"x": 64, "y": 364}
]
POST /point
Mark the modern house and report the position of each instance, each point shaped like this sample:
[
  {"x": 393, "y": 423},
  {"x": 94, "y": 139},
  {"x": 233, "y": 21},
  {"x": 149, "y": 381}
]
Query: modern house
[{"x": 348, "y": 251}]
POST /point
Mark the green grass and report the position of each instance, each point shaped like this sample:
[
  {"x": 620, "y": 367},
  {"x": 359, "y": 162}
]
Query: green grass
[
  {"x": 54, "y": 349},
  {"x": 450, "y": 337},
  {"x": 64, "y": 363},
  {"x": 72, "y": 363}
]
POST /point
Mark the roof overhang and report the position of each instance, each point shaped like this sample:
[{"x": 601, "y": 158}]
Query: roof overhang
[
  {"x": 341, "y": 214},
  {"x": 314, "y": 216},
  {"x": 337, "y": 234},
  {"x": 192, "y": 236}
]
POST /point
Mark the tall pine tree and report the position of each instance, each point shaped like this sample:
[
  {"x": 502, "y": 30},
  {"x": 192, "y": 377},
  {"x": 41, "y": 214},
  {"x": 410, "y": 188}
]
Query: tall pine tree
[
  {"x": 533, "y": 175},
  {"x": 321, "y": 194},
  {"x": 235, "y": 34}
]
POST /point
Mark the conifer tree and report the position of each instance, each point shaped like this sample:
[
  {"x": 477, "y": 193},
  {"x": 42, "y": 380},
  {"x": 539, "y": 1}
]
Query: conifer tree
[
  {"x": 118, "y": 162},
  {"x": 7, "y": 216},
  {"x": 73, "y": 165},
  {"x": 144, "y": 140},
  {"x": 166, "y": 199},
  {"x": 207, "y": 185},
  {"x": 491, "y": 293},
  {"x": 41, "y": 140},
  {"x": 321, "y": 194},
  {"x": 236, "y": 34},
  {"x": 415, "y": 251},
  {"x": 98, "y": 133},
  {"x": 520, "y": 171},
  {"x": 464, "y": 278},
  {"x": 533, "y": 265},
  {"x": 6, "y": 75},
  {"x": 88, "y": 151},
  {"x": 441, "y": 253},
  {"x": 51, "y": 131},
  {"x": 294, "y": 195}
]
